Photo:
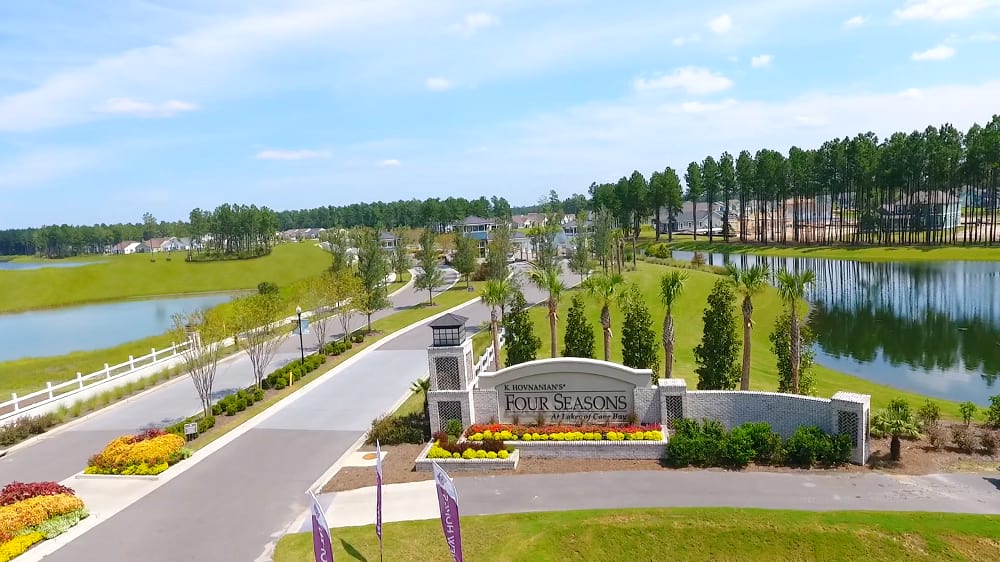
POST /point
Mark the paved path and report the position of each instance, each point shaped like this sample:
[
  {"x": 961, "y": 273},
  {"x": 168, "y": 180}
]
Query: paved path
[
  {"x": 961, "y": 493},
  {"x": 232, "y": 504}
]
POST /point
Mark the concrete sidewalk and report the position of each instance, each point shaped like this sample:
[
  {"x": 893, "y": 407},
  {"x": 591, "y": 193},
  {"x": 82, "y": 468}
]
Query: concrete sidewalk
[{"x": 811, "y": 491}]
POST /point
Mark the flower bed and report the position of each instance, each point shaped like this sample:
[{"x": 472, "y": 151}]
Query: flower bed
[
  {"x": 145, "y": 454},
  {"x": 515, "y": 432},
  {"x": 466, "y": 455},
  {"x": 33, "y": 512}
]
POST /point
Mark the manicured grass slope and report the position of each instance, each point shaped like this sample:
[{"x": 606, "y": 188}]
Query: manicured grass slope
[
  {"x": 121, "y": 277},
  {"x": 897, "y": 253},
  {"x": 688, "y": 331},
  {"x": 675, "y": 534}
]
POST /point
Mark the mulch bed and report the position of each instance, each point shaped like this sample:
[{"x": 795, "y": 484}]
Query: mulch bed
[{"x": 918, "y": 457}]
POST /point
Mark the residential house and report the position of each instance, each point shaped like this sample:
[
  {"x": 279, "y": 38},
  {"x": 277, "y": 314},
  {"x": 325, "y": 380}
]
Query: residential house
[
  {"x": 387, "y": 240},
  {"x": 572, "y": 228},
  {"x": 178, "y": 245},
  {"x": 534, "y": 219},
  {"x": 153, "y": 245},
  {"x": 922, "y": 211},
  {"x": 471, "y": 224},
  {"x": 312, "y": 233},
  {"x": 519, "y": 221},
  {"x": 125, "y": 247},
  {"x": 686, "y": 221}
]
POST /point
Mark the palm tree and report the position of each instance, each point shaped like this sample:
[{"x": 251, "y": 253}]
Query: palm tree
[
  {"x": 895, "y": 421},
  {"x": 749, "y": 283},
  {"x": 792, "y": 288},
  {"x": 671, "y": 286},
  {"x": 495, "y": 294},
  {"x": 546, "y": 277},
  {"x": 421, "y": 386},
  {"x": 603, "y": 287}
]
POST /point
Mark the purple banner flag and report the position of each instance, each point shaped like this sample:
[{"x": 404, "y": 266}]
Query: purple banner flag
[
  {"x": 322, "y": 543},
  {"x": 378, "y": 493},
  {"x": 448, "y": 504}
]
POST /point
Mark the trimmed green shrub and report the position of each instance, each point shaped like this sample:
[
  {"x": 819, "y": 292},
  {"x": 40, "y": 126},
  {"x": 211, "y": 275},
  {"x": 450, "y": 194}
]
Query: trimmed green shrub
[
  {"x": 453, "y": 428},
  {"x": 395, "y": 430},
  {"x": 928, "y": 414},
  {"x": 993, "y": 412}
]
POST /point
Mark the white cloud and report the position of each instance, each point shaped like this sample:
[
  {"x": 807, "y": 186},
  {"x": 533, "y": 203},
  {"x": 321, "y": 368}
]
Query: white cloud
[
  {"x": 691, "y": 79},
  {"x": 721, "y": 24},
  {"x": 856, "y": 21},
  {"x": 942, "y": 10},
  {"x": 941, "y": 52},
  {"x": 305, "y": 154},
  {"x": 685, "y": 39},
  {"x": 137, "y": 108},
  {"x": 984, "y": 37},
  {"x": 473, "y": 23},
  {"x": 700, "y": 107},
  {"x": 438, "y": 84},
  {"x": 911, "y": 93},
  {"x": 389, "y": 163},
  {"x": 761, "y": 61}
]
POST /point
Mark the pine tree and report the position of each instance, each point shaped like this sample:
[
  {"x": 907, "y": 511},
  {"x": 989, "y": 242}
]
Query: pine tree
[
  {"x": 717, "y": 354},
  {"x": 639, "y": 343},
  {"x": 519, "y": 335},
  {"x": 781, "y": 345},
  {"x": 579, "y": 337}
]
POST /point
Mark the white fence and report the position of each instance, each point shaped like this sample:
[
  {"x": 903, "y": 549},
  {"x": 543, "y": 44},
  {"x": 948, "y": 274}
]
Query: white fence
[
  {"x": 485, "y": 362},
  {"x": 19, "y": 405}
]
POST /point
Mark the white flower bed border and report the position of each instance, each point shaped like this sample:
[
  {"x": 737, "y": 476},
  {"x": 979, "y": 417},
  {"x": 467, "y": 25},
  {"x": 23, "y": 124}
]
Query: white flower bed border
[
  {"x": 424, "y": 464},
  {"x": 603, "y": 449}
]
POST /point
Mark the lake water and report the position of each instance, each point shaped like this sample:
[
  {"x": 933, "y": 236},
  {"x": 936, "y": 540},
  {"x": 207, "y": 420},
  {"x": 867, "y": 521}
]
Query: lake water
[
  {"x": 929, "y": 327},
  {"x": 25, "y": 266},
  {"x": 56, "y": 332}
]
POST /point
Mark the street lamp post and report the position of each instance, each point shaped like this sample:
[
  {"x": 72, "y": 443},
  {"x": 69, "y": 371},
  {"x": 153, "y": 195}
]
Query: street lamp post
[{"x": 302, "y": 352}]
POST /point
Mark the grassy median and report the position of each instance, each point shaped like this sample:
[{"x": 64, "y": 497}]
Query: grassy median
[{"x": 674, "y": 534}]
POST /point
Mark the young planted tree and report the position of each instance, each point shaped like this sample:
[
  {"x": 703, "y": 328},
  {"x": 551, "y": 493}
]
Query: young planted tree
[
  {"x": 896, "y": 421},
  {"x": 781, "y": 345},
  {"x": 716, "y": 355},
  {"x": 792, "y": 288},
  {"x": 430, "y": 276},
  {"x": 495, "y": 294},
  {"x": 466, "y": 255},
  {"x": 346, "y": 293},
  {"x": 604, "y": 287},
  {"x": 200, "y": 359},
  {"x": 600, "y": 241},
  {"x": 638, "y": 337},
  {"x": 497, "y": 251},
  {"x": 519, "y": 333},
  {"x": 748, "y": 283},
  {"x": 339, "y": 243},
  {"x": 671, "y": 286},
  {"x": 579, "y": 338},
  {"x": 259, "y": 332},
  {"x": 579, "y": 260},
  {"x": 373, "y": 268},
  {"x": 547, "y": 278},
  {"x": 400, "y": 257},
  {"x": 317, "y": 299}
]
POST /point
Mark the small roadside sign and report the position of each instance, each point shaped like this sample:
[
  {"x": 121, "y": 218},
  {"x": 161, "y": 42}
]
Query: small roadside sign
[
  {"x": 190, "y": 430},
  {"x": 303, "y": 328}
]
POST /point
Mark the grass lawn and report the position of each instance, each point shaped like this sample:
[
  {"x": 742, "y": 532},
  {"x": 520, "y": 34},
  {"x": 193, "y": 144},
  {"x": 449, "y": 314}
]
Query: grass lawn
[
  {"x": 864, "y": 253},
  {"x": 442, "y": 301},
  {"x": 688, "y": 330},
  {"x": 674, "y": 534},
  {"x": 122, "y": 277},
  {"x": 31, "y": 373}
]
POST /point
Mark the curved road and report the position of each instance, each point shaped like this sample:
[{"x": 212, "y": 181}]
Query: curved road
[{"x": 233, "y": 503}]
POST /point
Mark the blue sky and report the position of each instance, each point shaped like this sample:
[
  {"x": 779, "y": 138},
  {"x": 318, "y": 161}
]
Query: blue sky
[{"x": 110, "y": 108}]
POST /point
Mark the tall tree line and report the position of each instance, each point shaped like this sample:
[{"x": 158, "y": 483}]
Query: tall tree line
[
  {"x": 412, "y": 213},
  {"x": 936, "y": 186},
  {"x": 242, "y": 230},
  {"x": 61, "y": 241}
]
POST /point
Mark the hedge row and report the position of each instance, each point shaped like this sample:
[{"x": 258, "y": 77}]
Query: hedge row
[
  {"x": 279, "y": 378},
  {"x": 709, "y": 444}
]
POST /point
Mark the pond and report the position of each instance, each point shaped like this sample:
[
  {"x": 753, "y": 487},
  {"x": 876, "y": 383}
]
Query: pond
[
  {"x": 25, "y": 266},
  {"x": 43, "y": 333},
  {"x": 928, "y": 327}
]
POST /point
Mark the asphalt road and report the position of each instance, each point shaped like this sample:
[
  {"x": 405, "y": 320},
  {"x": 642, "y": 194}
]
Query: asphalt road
[{"x": 239, "y": 500}]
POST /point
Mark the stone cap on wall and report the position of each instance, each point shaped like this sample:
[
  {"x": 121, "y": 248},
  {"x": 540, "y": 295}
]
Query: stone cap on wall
[
  {"x": 852, "y": 397},
  {"x": 566, "y": 365}
]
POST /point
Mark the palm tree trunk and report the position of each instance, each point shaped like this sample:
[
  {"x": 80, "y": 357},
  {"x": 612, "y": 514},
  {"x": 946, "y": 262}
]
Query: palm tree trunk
[
  {"x": 606, "y": 328},
  {"x": 668, "y": 344},
  {"x": 795, "y": 350},
  {"x": 495, "y": 328},
  {"x": 553, "y": 340},
  {"x": 894, "y": 448},
  {"x": 747, "y": 314}
]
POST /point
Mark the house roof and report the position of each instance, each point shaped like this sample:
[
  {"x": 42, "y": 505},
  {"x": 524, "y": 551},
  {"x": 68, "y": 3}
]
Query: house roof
[
  {"x": 449, "y": 321},
  {"x": 155, "y": 242},
  {"x": 386, "y": 235},
  {"x": 472, "y": 219}
]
